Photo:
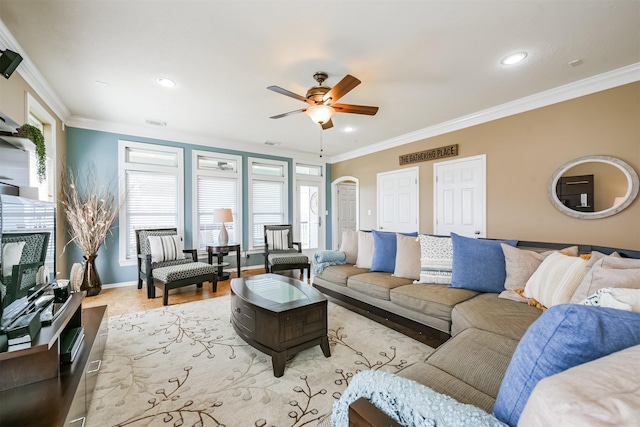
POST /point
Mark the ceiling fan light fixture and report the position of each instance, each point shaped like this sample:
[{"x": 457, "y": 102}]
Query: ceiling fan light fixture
[{"x": 320, "y": 114}]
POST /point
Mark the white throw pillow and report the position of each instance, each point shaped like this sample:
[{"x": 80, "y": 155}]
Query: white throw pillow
[
  {"x": 365, "y": 250},
  {"x": 603, "y": 392},
  {"x": 556, "y": 280},
  {"x": 436, "y": 259},
  {"x": 520, "y": 265},
  {"x": 349, "y": 245},
  {"x": 11, "y": 254},
  {"x": 278, "y": 240},
  {"x": 165, "y": 248}
]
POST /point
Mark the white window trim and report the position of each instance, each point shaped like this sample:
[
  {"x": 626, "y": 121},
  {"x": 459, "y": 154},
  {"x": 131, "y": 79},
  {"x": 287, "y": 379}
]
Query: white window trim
[
  {"x": 320, "y": 180},
  {"x": 224, "y": 174},
  {"x": 123, "y": 166},
  {"x": 48, "y": 120},
  {"x": 251, "y": 177}
]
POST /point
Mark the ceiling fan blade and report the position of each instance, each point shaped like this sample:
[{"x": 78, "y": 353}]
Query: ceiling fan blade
[
  {"x": 341, "y": 89},
  {"x": 327, "y": 125},
  {"x": 290, "y": 113},
  {"x": 285, "y": 92},
  {"x": 355, "y": 109}
]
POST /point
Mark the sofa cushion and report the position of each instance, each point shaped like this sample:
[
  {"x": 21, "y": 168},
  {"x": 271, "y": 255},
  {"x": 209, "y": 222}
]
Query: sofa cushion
[
  {"x": 339, "y": 274},
  {"x": 437, "y": 300},
  {"x": 349, "y": 245},
  {"x": 478, "y": 264},
  {"x": 609, "y": 272},
  {"x": 603, "y": 392},
  {"x": 407, "y": 257},
  {"x": 436, "y": 259},
  {"x": 365, "y": 250},
  {"x": 376, "y": 284},
  {"x": 565, "y": 336},
  {"x": 491, "y": 313},
  {"x": 470, "y": 367}
]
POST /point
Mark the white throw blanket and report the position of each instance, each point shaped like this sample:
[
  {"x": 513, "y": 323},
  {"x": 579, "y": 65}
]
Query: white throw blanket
[{"x": 620, "y": 298}]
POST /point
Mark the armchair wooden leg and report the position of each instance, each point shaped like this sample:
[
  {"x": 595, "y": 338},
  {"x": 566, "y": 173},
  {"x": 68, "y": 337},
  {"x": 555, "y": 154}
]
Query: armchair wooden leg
[
  {"x": 151, "y": 290},
  {"x": 198, "y": 285},
  {"x": 165, "y": 296},
  {"x": 139, "y": 283},
  {"x": 214, "y": 283}
]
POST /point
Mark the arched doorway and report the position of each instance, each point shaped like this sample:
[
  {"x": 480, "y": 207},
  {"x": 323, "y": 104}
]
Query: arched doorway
[{"x": 345, "y": 207}]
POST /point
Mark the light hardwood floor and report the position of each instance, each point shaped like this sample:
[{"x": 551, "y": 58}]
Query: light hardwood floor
[{"x": 129, "y": 299}]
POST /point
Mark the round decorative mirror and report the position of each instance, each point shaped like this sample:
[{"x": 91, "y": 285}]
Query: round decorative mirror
[{"x": 593, "y": 187}]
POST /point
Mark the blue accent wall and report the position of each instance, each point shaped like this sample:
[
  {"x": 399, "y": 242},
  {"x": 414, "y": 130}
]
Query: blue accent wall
[{"x": 99, "y": 150}]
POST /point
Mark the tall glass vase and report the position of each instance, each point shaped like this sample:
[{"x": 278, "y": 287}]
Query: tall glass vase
[{"x": 91, "y": 280}]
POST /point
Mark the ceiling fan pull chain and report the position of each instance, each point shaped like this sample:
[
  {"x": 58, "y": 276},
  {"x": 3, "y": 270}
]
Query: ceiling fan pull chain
[{"x": 321, "y": 141}]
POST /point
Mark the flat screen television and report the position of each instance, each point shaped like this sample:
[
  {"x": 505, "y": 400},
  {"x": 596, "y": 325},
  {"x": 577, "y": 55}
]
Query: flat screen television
[{"x": 27, "y": 257}]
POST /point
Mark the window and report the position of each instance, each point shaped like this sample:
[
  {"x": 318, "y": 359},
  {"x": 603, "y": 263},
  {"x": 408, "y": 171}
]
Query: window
[
  {"x": 40, "y": 118},
  {"x": 268, "y": 180},
  {"x": 311, "y": 170},
  {"x": 151, "y": 177},
  {"x": 217, "y": 179}
]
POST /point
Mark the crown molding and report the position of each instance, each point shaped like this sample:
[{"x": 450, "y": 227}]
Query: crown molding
[
  {"x": 32, "y": 76},
  {"x": 128, "y": 131},
  {"x": 608, "y": 80}
]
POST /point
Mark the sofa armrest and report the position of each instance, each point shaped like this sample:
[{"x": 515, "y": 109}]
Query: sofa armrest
[{"x": 363, "y": 413}]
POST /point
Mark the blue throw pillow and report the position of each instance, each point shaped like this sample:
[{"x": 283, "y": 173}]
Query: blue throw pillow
[
  {"x": 384, "y": 250},
  {"x": 478, "y": 264},
  {"x": 565, "y": 336}
]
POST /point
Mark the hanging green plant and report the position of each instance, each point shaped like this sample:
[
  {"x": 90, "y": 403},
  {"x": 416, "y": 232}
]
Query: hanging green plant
[{"x": 34, "y": 134}]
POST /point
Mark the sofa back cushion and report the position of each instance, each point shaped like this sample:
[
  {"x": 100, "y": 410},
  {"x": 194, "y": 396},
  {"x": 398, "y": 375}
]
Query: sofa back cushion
[
  {"x": 564, "y": 336},
  {"x": 478, "y": 264}
]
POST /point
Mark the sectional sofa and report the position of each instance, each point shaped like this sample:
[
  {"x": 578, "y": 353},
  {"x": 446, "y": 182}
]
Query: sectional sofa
[{"x": 476, "y": 330}]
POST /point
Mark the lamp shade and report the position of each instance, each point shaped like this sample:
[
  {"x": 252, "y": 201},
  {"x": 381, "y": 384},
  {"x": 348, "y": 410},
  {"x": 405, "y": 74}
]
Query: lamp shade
[
  {"x": 320, "y": 114},
  {"x": 220, "y": 216}
]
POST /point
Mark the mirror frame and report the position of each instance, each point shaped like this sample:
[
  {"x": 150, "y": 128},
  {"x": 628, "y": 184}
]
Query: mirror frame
[{"x": 629, "y": 197}]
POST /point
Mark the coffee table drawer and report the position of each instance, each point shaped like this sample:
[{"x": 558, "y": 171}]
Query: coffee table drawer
[{"x": 244, "y": 315}]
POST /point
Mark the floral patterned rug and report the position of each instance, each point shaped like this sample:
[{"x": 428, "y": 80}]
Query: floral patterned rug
[{"x": 184, "y": 365}]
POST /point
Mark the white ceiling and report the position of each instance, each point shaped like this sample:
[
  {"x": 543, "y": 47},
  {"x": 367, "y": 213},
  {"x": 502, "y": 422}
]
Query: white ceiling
[{"x": 422, "y": 62}]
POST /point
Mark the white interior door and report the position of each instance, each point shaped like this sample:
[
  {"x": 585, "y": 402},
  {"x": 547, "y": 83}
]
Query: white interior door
[
  {"x": 398, "y": 200},
  {"x": 346, "y": 208},
  {"x": 309, "y": 216},
  {"x": 460, "y": 197}
]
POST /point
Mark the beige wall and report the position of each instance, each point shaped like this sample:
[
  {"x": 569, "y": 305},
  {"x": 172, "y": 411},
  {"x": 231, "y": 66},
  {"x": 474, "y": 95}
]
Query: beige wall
[
  {"x": 13, "y": 103},
  {"x": 522, "y": 153}
]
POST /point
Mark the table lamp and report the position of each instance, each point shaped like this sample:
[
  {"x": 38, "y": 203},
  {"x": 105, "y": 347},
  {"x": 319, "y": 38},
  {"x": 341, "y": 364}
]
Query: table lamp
[{"x": 220, "y": 216}]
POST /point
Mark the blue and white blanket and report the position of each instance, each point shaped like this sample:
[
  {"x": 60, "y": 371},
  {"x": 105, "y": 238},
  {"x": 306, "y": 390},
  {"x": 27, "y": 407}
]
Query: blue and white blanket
[
  {"x": 323, "y": 259},
  {"x": 408, "y": 403}
]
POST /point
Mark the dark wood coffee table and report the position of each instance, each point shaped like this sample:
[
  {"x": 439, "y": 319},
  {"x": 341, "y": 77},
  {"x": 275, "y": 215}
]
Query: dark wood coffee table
[{"x": 279, "y": 315}]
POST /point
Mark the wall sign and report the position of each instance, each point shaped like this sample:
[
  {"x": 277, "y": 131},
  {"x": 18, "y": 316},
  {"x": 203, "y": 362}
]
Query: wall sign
[{"x": 434, "y": 153}]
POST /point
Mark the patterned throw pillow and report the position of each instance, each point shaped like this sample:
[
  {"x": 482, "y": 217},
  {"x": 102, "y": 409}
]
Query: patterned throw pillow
[
  {"x": 165, "y": 248},
  {"x": 436, "y": 259},
  {"x": 278, "y": 240}
]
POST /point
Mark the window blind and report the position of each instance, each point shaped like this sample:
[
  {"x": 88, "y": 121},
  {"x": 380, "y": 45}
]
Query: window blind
[
  {"x": 214, "y": 193},
  {"x": 267, "y": 199},
  {"x": 152, "y": 202}
]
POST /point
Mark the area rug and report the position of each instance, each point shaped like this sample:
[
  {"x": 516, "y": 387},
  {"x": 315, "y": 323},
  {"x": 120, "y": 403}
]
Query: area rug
[{"x": 184, "y": 365}]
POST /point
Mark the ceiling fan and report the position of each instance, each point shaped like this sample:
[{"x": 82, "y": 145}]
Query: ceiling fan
[{"x": 322, "y": 100}]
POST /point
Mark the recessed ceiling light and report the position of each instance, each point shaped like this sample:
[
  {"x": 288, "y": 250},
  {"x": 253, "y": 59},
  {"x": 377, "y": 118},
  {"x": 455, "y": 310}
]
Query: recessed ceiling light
[
  {"x": 348, "y": 129},
  {"x": 165, "y": 82},
  {"x": 514, "y": 58}
]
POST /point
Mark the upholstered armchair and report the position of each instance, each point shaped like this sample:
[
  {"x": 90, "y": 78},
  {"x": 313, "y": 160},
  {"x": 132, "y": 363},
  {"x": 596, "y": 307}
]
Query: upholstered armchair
[
  {"x": 280, "y": 253},
  {"x": 23, "y": 254},
  {"x": 162, "y": 262}
]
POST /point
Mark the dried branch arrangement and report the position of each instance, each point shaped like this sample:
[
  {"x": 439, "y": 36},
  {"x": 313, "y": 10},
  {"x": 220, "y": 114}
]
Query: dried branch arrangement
[{"x": 90, "y": 207}]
